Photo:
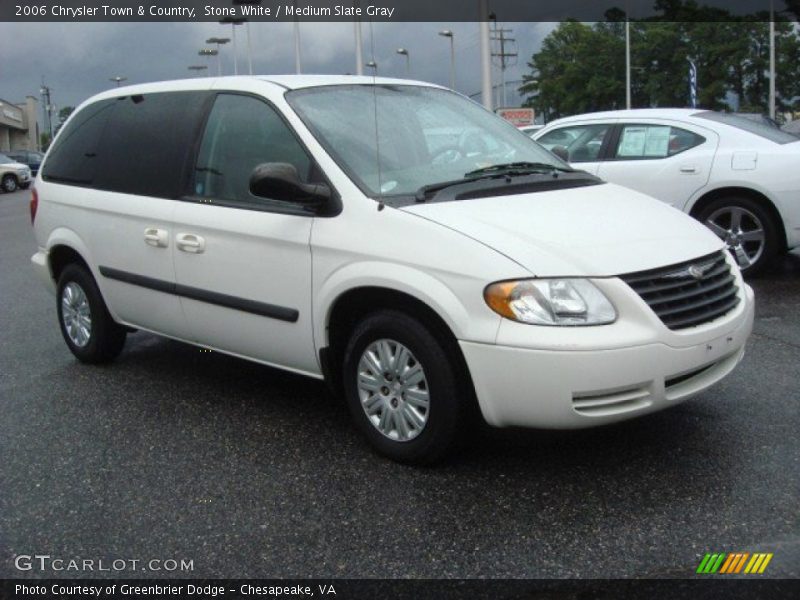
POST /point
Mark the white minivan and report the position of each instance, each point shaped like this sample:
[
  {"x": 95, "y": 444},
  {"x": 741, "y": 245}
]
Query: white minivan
[{"x": 419, "y": 253}]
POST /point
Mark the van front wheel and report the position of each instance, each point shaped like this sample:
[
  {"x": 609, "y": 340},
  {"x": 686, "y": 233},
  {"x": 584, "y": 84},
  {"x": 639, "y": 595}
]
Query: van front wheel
[{"x": 402, "y": 389}]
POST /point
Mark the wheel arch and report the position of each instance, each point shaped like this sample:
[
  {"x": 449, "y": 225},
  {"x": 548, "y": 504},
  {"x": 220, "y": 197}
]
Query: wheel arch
[
  {"x": 708, "y": 197},
  {"x": 353, "y": 304}
]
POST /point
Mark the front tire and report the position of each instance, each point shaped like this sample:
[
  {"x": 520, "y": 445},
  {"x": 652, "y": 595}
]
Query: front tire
[
  {"x": 403, "y": 389},
  {"x": 88, "y": 329},
  {"x": 747, "y": 228},
  {"x": 9, "y": 184}
]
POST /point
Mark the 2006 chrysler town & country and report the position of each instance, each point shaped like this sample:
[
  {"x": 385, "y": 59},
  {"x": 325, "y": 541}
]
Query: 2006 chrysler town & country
[{"x": 392, "y": 237}]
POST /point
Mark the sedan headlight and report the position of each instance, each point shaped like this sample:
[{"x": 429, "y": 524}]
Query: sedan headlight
[{"x": 570, "y": 302}]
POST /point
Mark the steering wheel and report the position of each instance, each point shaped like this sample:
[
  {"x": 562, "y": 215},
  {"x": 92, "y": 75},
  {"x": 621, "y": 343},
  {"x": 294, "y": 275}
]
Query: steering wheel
[{"x": 447, "y": 155}]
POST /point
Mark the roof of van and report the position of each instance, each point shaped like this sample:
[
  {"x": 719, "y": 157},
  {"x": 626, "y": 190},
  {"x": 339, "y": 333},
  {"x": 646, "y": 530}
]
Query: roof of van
[{"x": 289, "y": 82}]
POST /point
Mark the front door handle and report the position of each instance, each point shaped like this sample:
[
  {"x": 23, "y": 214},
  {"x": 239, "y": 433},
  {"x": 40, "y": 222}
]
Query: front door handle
[
  {"x": 158, "y": 238},
  {"x": 189, "y": 242},
  {"x": 689, "y": 169}
]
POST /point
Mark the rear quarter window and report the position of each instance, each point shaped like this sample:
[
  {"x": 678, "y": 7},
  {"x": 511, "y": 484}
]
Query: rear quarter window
[
  {"x": 73, "y": 157},
  {"x": 762, "y": 130}
]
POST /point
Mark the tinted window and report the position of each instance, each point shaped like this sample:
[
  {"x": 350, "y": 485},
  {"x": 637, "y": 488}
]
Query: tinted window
[
  {"x": 242, "y": 133},
  {"x": 654, "y": 141},
  {"x": 73, "y": 157},
  {"x": 147, "y": 143},
  {"x": 583, "y": 142},
  {"x": 760, "y": 129}
]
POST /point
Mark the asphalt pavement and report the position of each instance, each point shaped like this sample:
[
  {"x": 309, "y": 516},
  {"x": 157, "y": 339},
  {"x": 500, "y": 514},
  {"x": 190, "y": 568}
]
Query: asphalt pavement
[{"x": 247, "y": 471}]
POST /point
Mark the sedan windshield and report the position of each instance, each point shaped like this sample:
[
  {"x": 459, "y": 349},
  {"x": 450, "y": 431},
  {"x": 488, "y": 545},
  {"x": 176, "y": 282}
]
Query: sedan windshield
[
  {"x": 5, "y": 160},
  {"x": 426, "y": 136}
]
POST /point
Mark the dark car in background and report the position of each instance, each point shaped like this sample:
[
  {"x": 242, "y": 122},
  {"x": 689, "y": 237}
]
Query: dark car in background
[{"x": 27, "y": 157}]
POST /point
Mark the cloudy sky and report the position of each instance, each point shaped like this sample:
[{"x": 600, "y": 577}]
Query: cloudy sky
[{"x": 77, "y": 59}]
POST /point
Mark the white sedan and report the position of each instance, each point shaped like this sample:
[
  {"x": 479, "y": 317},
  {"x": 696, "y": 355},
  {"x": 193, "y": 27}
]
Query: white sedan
[{"x": 739, "y": 177}]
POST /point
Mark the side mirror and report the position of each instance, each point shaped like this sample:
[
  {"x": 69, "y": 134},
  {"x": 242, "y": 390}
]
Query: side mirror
[
  {"x": 561, "y": 152},
  {"x": 280, "y": 181}
]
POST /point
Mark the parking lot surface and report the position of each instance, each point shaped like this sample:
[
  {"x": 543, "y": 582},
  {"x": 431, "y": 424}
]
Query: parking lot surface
[{"x": 247, "y": 471}]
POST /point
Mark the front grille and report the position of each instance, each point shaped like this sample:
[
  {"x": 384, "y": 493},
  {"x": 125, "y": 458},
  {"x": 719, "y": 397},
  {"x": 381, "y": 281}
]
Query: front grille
[{"x": 690, "y": 293}]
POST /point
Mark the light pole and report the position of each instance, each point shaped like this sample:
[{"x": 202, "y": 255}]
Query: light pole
[
  {"x": 486, "y": 54},
  {"x": 404, "y": 52},
  {"x": 247, "y": 31},
  {"x": 233, "y": 22},
  {"x": 208, "y": 52},
  {"x": 197, "y": 68},
  {"x": 118, "y": 79},
  {"x": 772, "y": 60},
  {"x": 359, "y": 49},
  {"x": 298, "y": 67},
  {"x": 627, "y": 62},
  {"x": 219, "y": 42},
  {"x": 449, "y": 34}
]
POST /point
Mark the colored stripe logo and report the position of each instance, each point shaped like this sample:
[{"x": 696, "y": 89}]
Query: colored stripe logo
[{"x": 734, "y": 562}]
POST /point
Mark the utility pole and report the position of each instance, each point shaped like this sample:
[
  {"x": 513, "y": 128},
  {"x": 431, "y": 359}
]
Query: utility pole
[
  {"x": 504, "y": 57},
  {"x": 47, "y": 107}
]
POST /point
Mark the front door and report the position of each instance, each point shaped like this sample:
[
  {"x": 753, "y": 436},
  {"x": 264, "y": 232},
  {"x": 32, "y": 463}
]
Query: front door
[{"x": 243, "y": 263}]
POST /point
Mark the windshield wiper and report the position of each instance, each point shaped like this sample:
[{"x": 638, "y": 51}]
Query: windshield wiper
[
  {"x": 516, "y": 168},
  {"x": 502, "y": 170}
]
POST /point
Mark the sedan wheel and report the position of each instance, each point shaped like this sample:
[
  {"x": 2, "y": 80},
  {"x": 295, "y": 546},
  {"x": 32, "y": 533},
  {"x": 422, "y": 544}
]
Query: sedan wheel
[
  {"x": 748, "y": 229},
  {"x": 742, "y": 231}
]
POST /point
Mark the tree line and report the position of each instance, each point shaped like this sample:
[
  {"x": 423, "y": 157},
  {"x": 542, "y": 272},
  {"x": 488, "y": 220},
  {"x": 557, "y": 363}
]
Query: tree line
[{"x": 581, "y": 67}]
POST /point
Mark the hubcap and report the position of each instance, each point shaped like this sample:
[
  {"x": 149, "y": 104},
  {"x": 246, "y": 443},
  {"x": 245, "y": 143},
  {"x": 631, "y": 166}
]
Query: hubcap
[
  {"x": 393, "y": 390},
  {"x": 9, "y": 184},
  {"x": 742, "y": 232},
  {"x": 76, "y": 314}
]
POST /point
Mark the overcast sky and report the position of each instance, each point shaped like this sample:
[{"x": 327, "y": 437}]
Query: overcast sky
[{"x": 77, "y": 59}]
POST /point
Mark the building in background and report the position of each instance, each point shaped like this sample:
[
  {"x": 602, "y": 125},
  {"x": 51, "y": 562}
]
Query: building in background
[{"x": 19, "y": 129}]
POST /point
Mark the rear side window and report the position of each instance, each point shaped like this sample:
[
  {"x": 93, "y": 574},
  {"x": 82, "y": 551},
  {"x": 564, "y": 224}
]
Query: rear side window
[
  {"x": 654, "y": 141},
  {"x": 147, "y": 142},
  {"x": 73, "y": 157}
]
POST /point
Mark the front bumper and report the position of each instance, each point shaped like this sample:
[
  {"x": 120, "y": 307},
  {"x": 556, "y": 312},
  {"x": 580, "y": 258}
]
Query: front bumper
[{"x": 583, "y": 386}]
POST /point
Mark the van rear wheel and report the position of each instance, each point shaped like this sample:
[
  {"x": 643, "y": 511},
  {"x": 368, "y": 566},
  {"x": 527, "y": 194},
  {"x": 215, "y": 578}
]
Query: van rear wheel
[
  {"x": 402, "y": 388},
  {"x": 88, "y": 329}
]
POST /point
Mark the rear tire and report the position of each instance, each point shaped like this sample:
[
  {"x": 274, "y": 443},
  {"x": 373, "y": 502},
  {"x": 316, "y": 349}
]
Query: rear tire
[
  {"x": 88, "y": 329},
  {"x": 397, "y": 370},
  {"x": 748, "y": 230}
]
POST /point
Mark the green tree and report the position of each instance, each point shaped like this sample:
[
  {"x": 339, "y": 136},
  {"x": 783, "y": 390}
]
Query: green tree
[
  {"x": 580, "y": 67},
  {"x": 576, "y": 71}
]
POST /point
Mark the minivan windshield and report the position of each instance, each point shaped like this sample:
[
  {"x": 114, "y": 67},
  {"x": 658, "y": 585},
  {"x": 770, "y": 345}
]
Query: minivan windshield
[{"x": 427, "y": 136}]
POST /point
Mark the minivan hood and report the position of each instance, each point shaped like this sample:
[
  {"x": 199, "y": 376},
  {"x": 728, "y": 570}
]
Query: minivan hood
[{"x": 596, "y": 231}]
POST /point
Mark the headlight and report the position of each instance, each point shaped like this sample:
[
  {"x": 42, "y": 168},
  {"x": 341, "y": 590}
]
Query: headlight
[{"x": 571, "y": 302}]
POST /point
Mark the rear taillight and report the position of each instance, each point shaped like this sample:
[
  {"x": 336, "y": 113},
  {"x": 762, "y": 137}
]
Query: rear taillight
[{"x": 34, "y": 204}]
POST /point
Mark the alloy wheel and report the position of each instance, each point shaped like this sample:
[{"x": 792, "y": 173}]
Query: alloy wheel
[
  {"x": 76, "y": 314},
  {"x": 741, "y": 230},
  {"x": 393, "y": 390}
]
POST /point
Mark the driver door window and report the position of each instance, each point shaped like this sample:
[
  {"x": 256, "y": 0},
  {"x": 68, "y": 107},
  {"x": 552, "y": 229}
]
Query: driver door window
[
  {"x": 243, "y": 132},
  {"x": 583, "y": 142}
]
